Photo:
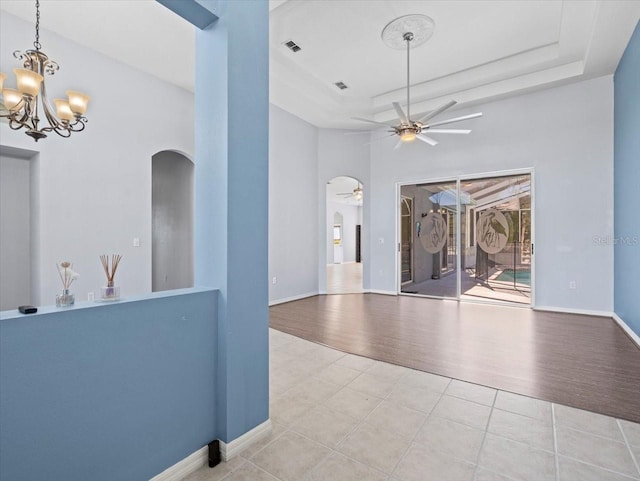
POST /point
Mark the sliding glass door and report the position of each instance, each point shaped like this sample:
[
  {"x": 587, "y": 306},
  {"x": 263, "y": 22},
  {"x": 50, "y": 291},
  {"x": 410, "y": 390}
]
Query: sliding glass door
[
  {"x": 491, "y": 257},
  {"x": 406, "y": 240},
  {"x": 434, "y": 244}
]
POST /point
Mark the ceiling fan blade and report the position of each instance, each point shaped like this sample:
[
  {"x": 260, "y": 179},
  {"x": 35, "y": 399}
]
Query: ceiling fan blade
[
  {"x": 398, "y": 145},
  {"x": 403, "y": 117},
  {"x": 427, "y": 140},
  {"x": 386, "y": 124},
  {"x": 457, "y": 119},
  {"x": 437, "y": 111},
  {"x": 448, "y": 131}
]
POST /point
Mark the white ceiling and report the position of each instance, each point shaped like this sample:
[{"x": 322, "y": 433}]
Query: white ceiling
[
  {"x": 480, "y": 50},
  {"x": 341, "y": 185}
]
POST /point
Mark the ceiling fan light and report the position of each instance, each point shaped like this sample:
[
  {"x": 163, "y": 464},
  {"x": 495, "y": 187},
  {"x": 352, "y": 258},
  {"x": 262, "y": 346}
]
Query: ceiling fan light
[
  {"x": 408, "y": 136},
  {"x": 2, "y": 78}
]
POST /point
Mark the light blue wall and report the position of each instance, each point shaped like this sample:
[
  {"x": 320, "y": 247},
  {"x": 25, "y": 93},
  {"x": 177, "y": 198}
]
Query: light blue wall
[
  {"x": 293, "y": 197},
  {"x": 626, "y": 182},
  {"x": 231, "y": 183},
  {"x": 107, "y": 392}
]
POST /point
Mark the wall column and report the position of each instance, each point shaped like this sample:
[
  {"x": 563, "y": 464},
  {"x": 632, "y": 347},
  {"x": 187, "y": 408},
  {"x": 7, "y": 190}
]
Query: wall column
[{"x": 231, "y": 203}]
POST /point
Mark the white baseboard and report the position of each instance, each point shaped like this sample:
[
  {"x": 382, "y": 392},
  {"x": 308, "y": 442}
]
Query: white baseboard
[
  {"x": 567, "y": 310},
  {"x": 185, "y": 467},
  {"x": 233, "y": 448},
  {"x": 200, "y": 458},
  {"x": 378, "y": 291},
  {"x": 293, "y": 298},
  {"x": 634, "y": 337}
]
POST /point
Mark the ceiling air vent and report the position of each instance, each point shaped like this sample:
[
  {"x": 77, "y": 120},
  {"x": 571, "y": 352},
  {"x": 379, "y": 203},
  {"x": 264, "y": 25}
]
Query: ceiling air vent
[
  {"x": 291, "y": 45},
  {"x": 341, "y": 85}
]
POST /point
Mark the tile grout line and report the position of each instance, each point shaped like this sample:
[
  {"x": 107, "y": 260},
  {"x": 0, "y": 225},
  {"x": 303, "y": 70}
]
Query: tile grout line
[
  {"x": 555, "y": 441},
  {"x": 421, "y": 426},
  {"x": 362, "y": 421},
  {"x": 355, "y": 428},
  {"x": 628, "y": 444},
  {"x": 357, "y": 425},
  {"x": 484, "y": 436},
  {"x": 261, "y": 469},
  {"x": 601, "y": 468}
]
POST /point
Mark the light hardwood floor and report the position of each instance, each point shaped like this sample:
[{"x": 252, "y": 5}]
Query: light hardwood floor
[{"x": 581, "y": 361}]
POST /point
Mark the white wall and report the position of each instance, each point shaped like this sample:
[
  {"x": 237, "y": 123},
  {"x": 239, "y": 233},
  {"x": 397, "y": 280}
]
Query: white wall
[
  {"x": 293, "y": 193},
  {"x": 566, "y": 135},
  {"x": 15, "y": 232},
  {"x": 95, "y": 188},
  {"x": 345, "y": 155},
  {"x": 349, "y": 221}
]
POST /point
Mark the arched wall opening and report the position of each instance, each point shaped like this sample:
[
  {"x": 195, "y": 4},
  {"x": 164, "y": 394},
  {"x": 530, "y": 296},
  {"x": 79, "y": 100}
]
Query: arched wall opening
[
  {"x": 344, "y": 219},
  {"x": 172, "y": 203}
]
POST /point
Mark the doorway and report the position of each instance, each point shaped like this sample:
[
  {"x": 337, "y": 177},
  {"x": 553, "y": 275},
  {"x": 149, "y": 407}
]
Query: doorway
[
  {"x": 172, "y": 221},
  {"x": 343, "y": 238},
  {"x": 473, "y": 239},
  {"x": 18, "y": 228}
]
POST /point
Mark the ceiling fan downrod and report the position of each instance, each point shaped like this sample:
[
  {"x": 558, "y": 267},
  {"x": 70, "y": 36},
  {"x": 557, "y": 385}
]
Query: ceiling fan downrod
[{"x": 408, "y": 37}]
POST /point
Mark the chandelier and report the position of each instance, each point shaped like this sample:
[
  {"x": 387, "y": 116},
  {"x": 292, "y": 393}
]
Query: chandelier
[{"x": 25, "y": 105}]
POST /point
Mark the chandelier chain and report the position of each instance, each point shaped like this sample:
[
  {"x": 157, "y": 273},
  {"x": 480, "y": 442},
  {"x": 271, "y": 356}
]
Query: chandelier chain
[{"x": 36, "y": 44}]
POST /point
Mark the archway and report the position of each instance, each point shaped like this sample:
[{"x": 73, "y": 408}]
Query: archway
[
  {"x": 344, "y": 235},
  {"x": 172, "y": 221}
]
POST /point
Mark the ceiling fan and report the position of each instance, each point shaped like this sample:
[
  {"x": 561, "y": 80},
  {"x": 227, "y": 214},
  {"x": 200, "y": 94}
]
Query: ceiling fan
[
  {"x": 356, "y": 193},
  {"x": 405, "y": 30}
]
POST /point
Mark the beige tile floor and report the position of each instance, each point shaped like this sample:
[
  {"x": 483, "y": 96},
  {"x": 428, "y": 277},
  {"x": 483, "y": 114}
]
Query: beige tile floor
[
  {"x": 340, "y": 417},
  {"x": 344, "y": 278}
]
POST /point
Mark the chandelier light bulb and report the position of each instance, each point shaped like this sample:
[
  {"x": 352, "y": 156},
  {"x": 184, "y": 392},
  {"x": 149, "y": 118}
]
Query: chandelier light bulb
[
  {"x": 78, "y": 102},
  {"x": 12, "y": 99},
  {"x": 63, "y": 110},
  {"x": 2, "y": 77},
  {"x": 28, "y": 81}
]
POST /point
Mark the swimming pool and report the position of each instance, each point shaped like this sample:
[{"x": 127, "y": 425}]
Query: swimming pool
[{"x": 521, "y": 276}]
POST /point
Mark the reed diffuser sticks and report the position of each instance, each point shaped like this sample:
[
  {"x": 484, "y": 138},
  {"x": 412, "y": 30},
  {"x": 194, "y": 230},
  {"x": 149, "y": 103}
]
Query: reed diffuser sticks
[{"x": 110, "y": 270}]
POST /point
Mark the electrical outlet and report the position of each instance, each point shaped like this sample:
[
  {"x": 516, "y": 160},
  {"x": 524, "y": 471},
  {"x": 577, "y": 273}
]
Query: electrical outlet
[
  {"x": 572, "y": 284},
  {"x": 274, "y": 280},
  {"x": 136, "y": 242},
  {"x": 381, "y": 240}
]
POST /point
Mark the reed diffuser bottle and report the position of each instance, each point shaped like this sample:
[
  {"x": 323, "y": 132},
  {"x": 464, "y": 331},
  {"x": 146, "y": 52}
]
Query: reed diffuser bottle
[{"x": 110, "y": 292}]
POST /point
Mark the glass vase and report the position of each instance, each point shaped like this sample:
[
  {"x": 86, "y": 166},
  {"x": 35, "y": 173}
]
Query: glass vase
[
  {"x": 65, "y": 299},
  {"x": 110, "y": 292}
]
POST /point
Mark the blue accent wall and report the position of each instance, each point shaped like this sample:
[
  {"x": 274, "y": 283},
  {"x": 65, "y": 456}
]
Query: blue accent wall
[
  {"x": 231, "y": 203},
  {"x": 107, "y": 392},
  {"x": 627, "y": 184}
]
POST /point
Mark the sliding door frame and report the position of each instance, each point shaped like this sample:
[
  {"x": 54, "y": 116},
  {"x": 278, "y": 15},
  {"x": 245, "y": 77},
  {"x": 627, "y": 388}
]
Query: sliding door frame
[{"x": 458, "y": 179}]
